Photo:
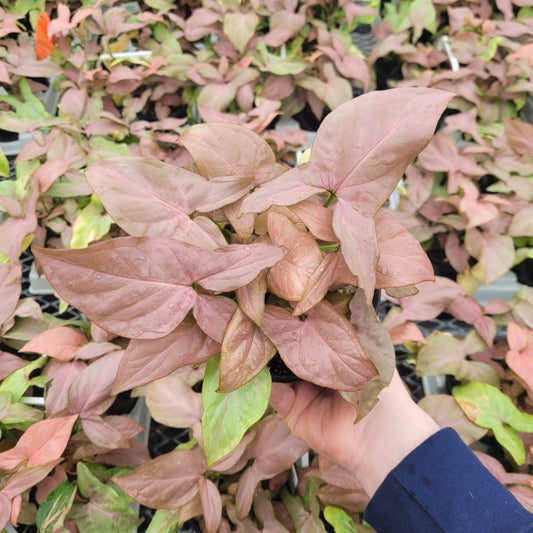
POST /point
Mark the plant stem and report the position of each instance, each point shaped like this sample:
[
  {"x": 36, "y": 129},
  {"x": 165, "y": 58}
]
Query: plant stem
[
  {"x": 330, "y": 199},
  {"x": 327, "y": 247}
]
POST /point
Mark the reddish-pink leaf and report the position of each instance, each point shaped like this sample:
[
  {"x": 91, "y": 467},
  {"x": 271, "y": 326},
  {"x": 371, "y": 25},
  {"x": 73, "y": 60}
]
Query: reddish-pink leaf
[
  {"x": 289, "y": 277},
  {"x": 146, "y": 197},
  {"x": 48, "y": 172},
  {"x": 61, "y": 343},
  {"x": 172, "y": 402},
  {"x": 359, "y": 245},
  {"x": 251, "y": 298},
  {"x": 147, "y": 360},
  {"x": 9, "y": 363},
  {"x": 211, "y": 504},
  {"x": 61, "y": 375},
  {"x": 141, "y": 287},
  {"x": 166, "y": 482},
  {"x": 90, "y": 392},
  {"x": 103, "y": 434},
  {"x": 245, "y": 352},
  {"x": 519, "y": 136},
  {"x": 41, "y": 443},
  {"x": 212, "y": 314},
  {"x": 493, "y": 251},
  {"x": 402, "y": 261},
  {"x": 27, "y": 477},
  {"x": 431, "y": 299},
  {"x": 318, "y": 219},
  {"x": 332, "y": 270},
  {"x": 222, "y": 149},
  {"x": 323, "y": 348},
  {"x": 363, "y": 148},
  {"x": 274, "y": 450},
  {"x": 10, "y": 280}
]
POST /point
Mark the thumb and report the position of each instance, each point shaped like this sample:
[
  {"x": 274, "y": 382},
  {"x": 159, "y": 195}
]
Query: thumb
[{"x": 282, "y": 398}]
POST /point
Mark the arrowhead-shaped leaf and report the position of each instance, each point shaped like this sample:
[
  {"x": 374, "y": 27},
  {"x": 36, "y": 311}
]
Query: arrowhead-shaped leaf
[
  {"x": 490, "y": 408},
  {"x": 147, "y": 360},
  {"x": 141, "y": 287},
  {"x": 61, "y": 343},
  {"x": 41, "y": 443},
  {"x": 148, "y": 198},
  {"x": 227, "y": 416},
  {"x": 166, "y": 482},
  {"x": 323, "y": 349},
  {"x": 289, "y": 277},
  {"x": 245, "y": 352}
]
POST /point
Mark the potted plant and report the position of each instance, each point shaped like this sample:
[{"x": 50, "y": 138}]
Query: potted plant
[{"x": 212, "y": 281}]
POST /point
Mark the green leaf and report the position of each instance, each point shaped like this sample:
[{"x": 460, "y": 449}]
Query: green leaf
[
  {"x": 227, "y": 416},
  {"x": 53, "y": 510},
  {"x": 423, "y": 16},
  {"x": 490, "y": 408},
  {"x": 341, "y": 521},
  {"x": 280, "y": 65},
  {"x": 17, "y": 383},
  {"x": 30, "y": 107},
  {"x": 525, "y": 12},
  {"x": 106, "y": 509},
  {"x": 23, "y": 7},
  {"x": 165, "y": 521},
  {"x": 100, "y": 148},
  {"x": 91, "y": 225},
  {"x": 4, "y": 165},
  {"x": 240, "y": 27},
  {"x": 18, "y": 415},
  {"x": 488, "y": 54}
]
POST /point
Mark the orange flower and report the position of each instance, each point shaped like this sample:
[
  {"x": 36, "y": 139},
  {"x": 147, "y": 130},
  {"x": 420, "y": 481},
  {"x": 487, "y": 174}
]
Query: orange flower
[{"x": 44, "y": 46}]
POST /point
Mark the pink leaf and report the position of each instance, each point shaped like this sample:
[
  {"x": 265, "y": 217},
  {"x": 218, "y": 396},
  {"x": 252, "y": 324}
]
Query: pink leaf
[
  {"x": 212, "y": 314},
  {"x": 251, "y": 298},
  {"x": 10, "y": 280},
  {"x": 103, "y": 434},
  {"x": 359, "y": 246},
  {"x": 172, "y": 402},
  {"x": 48, "y": 172},
  {"x": 331, "y": 271},
  {"x": 211, "y": 504},
  {"x": 61, "y": 343},
  {"x": 494, "y": 252},
  {"x": 61, "y": 375},
  {"x": 431, "y": 299},
  {"x": 289, "y": 277},
  {"x": 318, "y": 219},
  {"x": 166, "y": 482},
  {"x": 27, "y": 477},
  {"x": 322, "y": 349},
  {"x": 147, "y": 197},
  {"x": 9, "y": 363},
  {"x": 519, "y": 135},
  {"x": 274, "y": 450},
  {"x": 221, "y": 149},
  {"x": 363, "y": 164},
  {"x": 402, "y": 261},
  {"x": 41, "y": 443},
  {"x": 90, "y": 392},
  {"x": 245, "y": 352},
  {"x": 147, "y": 360},
  {"x": 116, "y": 281}
]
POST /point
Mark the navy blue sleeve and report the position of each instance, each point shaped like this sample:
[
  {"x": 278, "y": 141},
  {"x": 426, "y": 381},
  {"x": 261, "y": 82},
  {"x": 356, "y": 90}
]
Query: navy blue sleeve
[{"x": 441, "y": 486}]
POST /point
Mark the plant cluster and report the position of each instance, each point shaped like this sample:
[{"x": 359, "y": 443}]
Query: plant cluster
[{"x": 213, "y": 258}]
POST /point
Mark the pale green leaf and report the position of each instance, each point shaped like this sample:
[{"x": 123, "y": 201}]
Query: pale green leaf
[
  {"x": 227, "y": 416},
  {"x": 4, "y": 165},
  {"x": 17, "y": 383},
  {"x": 240, "y": 28},
  {"x": 106, "y": 509},
  {"x": 164, "y": 521},
  {"x": 91, "y": 225},
  {"x": 53, "y": 510},
  {"x": 490, "y": 408},
  {"x": 341, "y": 521}
]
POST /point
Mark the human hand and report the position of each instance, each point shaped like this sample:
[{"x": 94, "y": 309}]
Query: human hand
[{"x": 369, "y": 449}]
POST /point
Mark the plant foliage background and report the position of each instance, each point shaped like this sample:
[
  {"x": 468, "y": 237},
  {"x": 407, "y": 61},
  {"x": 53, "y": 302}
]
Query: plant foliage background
[{"x": 134, "y": 194}]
